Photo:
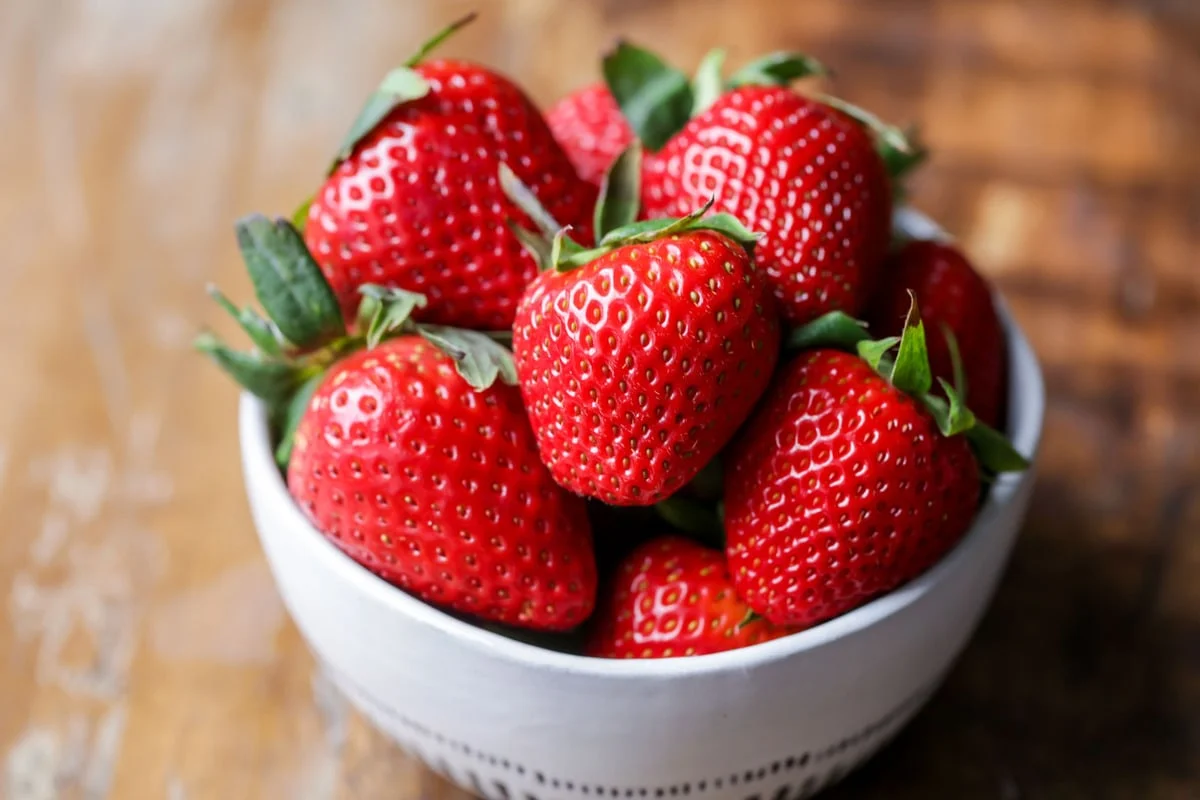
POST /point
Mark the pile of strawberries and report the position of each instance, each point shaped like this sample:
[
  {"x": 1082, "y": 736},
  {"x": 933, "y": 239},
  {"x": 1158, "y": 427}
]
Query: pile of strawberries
[{"x": 609, "y": 369}]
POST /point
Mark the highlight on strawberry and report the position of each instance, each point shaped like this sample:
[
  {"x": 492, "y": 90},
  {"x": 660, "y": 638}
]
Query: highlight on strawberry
[{"x": 674, "y": 387}]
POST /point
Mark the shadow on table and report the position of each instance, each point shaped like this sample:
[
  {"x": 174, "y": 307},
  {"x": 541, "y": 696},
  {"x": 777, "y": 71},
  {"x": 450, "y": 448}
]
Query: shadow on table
[{"x": 1075, "y": 685}]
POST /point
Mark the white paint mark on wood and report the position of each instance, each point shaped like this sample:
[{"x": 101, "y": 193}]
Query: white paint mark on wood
[
  {"x": 47, "y": 763},
  {"x": 102, "y": 760},
  {"x": 175, "y": 788},
  {"x": 77, "y": 481},
  {"x": 232, "y": 620},
  {"x": 31, "y": 767},
  {"x": 319, "y": 778}
]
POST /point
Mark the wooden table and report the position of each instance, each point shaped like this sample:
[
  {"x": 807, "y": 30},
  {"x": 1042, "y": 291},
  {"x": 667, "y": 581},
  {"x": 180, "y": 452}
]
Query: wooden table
[{"x": 143, "y": 650}]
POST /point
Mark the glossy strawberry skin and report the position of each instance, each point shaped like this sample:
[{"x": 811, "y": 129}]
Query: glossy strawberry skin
[
  {"x": 637, "y": 367},
  {"x": 801, "y": 173},
  {"x": 673, "y": 597},
  {"x": 418, "y": 204},
  {"x": 841, "y": 488},
  {"x": 438, "y": 489},
  {"x": 589, "y": 126},
  {"x": 949, "y": 292}
]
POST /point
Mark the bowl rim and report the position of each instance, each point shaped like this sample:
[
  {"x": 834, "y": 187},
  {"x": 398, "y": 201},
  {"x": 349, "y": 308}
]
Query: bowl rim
[{"x": 1026, "y": 413}]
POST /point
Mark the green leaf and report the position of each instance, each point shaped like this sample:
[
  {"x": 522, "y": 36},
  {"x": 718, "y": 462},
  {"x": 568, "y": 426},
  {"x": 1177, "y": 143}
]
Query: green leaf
[
  {"x": 952, "y": 416},
  {"x": 994, "y": 452},
  {"x": 693, "y": 518},
  {"x": 390, "y": 311},
  {"x": 707, "y": 85},
  {"x": 648, "y": 230},
  {"x": 293, "y": 412},
  {"x": 656, "y": 99},
  {"x": 751, "y": 617},
  {"x": 834, "y": 329},
  {"x": 911, "y": 372},
  {"x": 261, "y": 331},
  {"x": 300, "y": 215},
  {"x": 401, "y": 85},
  {"x": 524, "y": 198},
  {"x": 535, "y": 244},
  {"x": 727, "y": 225},
  {"x": 873, "y": 351},
  {"x": 267, "y": 378},
  {"x": 885, "y": 135},
  {"x": 777, "y": 69},
  {"x": 621, "y": 192},
  {"x": 439, "y": 37},
  {"x": 478, "y": 358},
  {"x": 900, "y": 162},
  {"x": 956, "y": 362},
  {"x": 288, "y": 283}
]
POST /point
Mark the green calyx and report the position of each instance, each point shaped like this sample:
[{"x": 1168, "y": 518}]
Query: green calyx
[
  {"x": 904, "y": 361},
  {"x": 657, "y": 99},
  {"x": 900, "y": 150},
  {"x": 302, "y": 333},
  {"x": 616, "y": 223},
  {"x": 401, "y": 85}
]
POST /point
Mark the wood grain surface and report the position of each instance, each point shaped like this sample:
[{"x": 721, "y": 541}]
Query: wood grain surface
[{"x": 143, "y": 650}]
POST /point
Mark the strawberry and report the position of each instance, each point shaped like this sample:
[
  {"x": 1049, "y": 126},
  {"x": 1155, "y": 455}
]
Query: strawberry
[
  {"x": 591, "y": 130},
  {"x": 455, "y": 508},
  {"x": 954, "y": 297},
  {"x": 412, "y": 201},
  {"x": 407, "y": 445},
  {"x": 639, "y": 359},
  {"x": 673, "y": 597},
  {"x": 803, "y": 172},
  {"x": 851, "y": 478}
]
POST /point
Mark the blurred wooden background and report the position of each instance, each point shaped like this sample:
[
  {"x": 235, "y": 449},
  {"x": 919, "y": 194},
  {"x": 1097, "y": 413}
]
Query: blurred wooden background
[{"x": 143, "y": 651}]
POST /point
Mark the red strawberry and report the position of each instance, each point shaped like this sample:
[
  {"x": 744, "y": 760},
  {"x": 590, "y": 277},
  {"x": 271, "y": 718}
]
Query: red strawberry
[
  {"x": 802, "y": 173},
  {"x": 419, "y": 466},
  {"x": 589, "y": 126},
  {"x": 638, "y": 360},
  {"x": 847, "y": 483},
  {"x": 437, "y": 487},
  {"x": 673, "y": 597},
  {"x": 952, "y": 294},
  {"x": 415, "y": 202}
]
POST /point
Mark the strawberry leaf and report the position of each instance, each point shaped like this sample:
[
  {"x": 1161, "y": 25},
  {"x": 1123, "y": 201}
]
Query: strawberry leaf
[
  {"x": 707, "y": 85},
  {"x": 951, "y": 415},
  {"x": 620, "y": 193},
  {"x": 727, "y": 225},
  {"x": 956, "y": 362},
  {"x": 751, "y": 617},
  {"x": 401, "y": 85},
  {"x": 439, "y": 37},
  {"x": 269, "y": 379},
  {"x": 390, "y": 310},
  {"x": 834, "y": 329},
  {"x": 524, "y": 198},
  {"x": 900, "y": 162},
  {"x": 478, "y": 358},
  {"x": 288, "y": 283},
  {"x": 994, "y": 452},
  {"x": 262, "y": 332},
  {"x": 873, "y": 351},
  {"x": 911, "y": 373},
  {"x": 656, "y": 99},
  {"x": 777, "y": 69},
  {"x": 534, "y": 244},
  {"x": 292, "y": 414}
]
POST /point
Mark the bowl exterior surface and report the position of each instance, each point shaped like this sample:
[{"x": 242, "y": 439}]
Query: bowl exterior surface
[{"x": 506, "y": 719}]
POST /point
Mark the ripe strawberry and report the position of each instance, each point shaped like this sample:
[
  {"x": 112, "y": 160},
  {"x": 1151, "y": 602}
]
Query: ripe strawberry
[
  {"x": 804, "y": 174},
  {"x": 847, "y": 483},
  {"x": 591, "y": 130},
  {"x": 408, "y": 454},
  {"x": 438, "y": 488},
  {"x": 639, "y": 359},
  {"x": 673, "y": 597},
  {"x": 414, "y": 203},
  {"x": 951, "y": 294}
]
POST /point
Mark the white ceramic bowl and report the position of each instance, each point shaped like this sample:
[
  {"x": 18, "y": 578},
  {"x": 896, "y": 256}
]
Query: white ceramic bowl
[{"x": 506, "y": 719}]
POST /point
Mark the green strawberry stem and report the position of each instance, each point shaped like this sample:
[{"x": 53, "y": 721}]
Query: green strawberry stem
[
  {"x": 708, "y": 85},
  {"x": 620, "y": 193},
  {"x": 693, "y": 518},
  {"x": 434, "y": 41},
  {"x": 908, "y": 370}
]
